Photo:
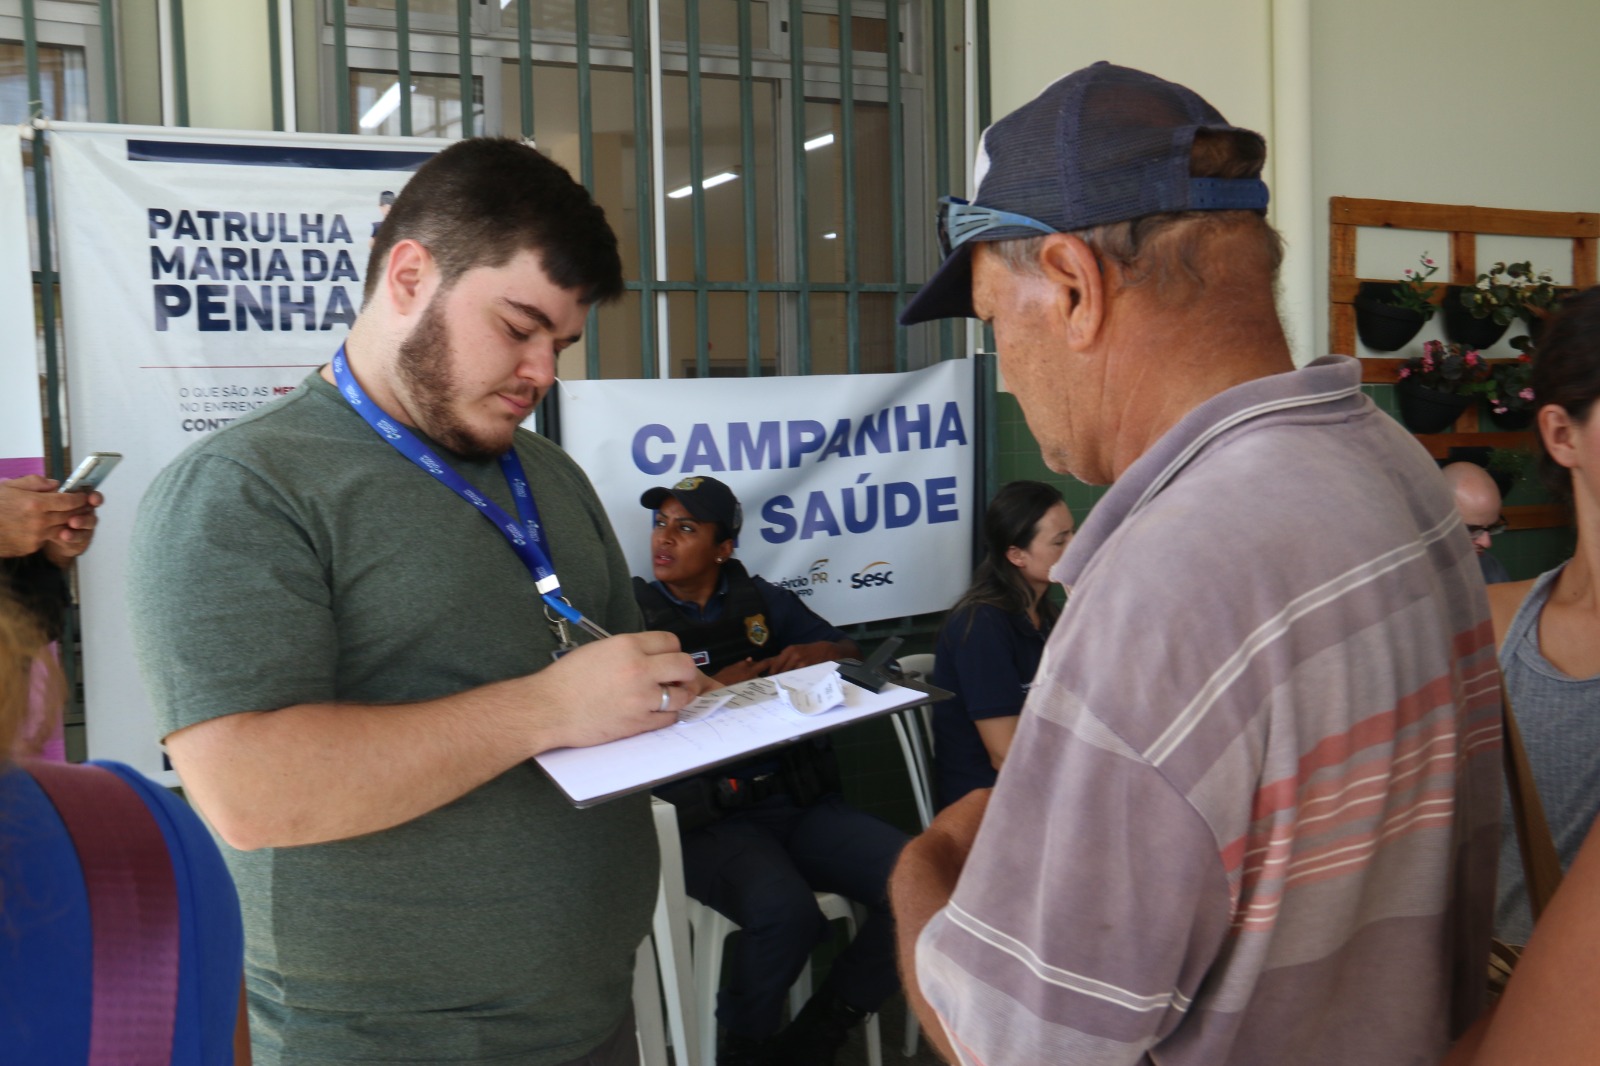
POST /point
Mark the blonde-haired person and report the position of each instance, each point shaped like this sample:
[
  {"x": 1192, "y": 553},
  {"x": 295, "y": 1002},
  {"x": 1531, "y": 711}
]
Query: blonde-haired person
[{"x": 98, "y": 847}]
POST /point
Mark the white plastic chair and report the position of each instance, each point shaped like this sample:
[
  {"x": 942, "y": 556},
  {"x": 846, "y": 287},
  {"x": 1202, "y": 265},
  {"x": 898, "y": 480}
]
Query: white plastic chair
[
  {"x": 698, "y": 967},
  {"x": 711, "y": 929},
  {"x": 673, "y": 957},
  {"x": 914, "y": 729}
]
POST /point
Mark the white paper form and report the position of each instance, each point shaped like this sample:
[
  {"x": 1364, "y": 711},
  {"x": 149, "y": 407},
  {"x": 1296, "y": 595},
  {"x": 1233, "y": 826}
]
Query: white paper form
[{"x": 754, "y": 718}]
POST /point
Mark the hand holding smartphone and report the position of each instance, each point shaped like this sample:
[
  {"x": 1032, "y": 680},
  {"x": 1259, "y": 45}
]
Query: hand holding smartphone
[{"x": 94, "y": 469}]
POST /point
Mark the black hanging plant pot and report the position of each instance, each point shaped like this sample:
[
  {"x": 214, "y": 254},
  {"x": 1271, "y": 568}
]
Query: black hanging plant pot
[
  {"x": 1381, "y": 326},
  {"x": 1428, "y": 410},
  {"x": 1510, "y": 421},
  {"x": 1461, "y": 327}
]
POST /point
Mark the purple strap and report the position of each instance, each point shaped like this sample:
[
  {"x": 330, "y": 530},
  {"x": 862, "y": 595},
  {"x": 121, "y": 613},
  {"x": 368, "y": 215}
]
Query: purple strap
[{"x": 133, "y": 910}]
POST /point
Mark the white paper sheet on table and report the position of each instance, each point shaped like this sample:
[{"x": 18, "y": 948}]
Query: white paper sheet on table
[{"x": 751, "y": 721}]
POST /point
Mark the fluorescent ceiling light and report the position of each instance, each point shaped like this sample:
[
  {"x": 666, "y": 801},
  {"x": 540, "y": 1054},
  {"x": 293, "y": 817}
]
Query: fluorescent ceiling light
[
  {"x": 830, "y": 236},
  {"x": 387, "y": 105},
  {"x": 711, "y": 182},
  {"x": 819, "y": 142}
]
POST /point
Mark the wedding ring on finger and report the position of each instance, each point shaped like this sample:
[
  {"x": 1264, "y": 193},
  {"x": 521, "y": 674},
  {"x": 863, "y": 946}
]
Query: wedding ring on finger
[{"x": 666, "y": 699}]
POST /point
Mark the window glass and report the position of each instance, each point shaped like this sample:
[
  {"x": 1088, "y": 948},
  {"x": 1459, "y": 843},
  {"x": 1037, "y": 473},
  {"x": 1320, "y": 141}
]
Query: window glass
[
  {"x": 63, "y": 83},
  {"x": 866, "y": 34},
  {"x": 722, "y": 178},
  {"x": 435, "y": 103}
]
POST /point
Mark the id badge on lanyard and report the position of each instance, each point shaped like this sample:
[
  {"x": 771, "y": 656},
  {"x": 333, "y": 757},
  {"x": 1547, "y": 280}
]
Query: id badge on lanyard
[{"x": 524, "y": 533}]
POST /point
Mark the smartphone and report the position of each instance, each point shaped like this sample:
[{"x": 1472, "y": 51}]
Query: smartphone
[{"x": 94, "y": 469}]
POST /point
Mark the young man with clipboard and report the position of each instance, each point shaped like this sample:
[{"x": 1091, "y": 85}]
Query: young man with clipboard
[{"x": 348, "y": 607}]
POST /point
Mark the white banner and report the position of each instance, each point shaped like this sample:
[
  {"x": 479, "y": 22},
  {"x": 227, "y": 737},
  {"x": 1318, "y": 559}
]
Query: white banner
[
  {"x": 21, "y": 428},
  {"x": 203, "y": 274},
  {"x": 857, "y": 490}
]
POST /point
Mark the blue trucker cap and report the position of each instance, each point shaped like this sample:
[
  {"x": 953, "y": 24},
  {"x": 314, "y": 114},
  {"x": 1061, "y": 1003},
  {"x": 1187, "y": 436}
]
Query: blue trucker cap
[{"x": 1103, "y": 144}]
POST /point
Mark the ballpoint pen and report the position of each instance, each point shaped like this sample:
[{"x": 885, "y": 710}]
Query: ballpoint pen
[{"x": 576, "y": 617}]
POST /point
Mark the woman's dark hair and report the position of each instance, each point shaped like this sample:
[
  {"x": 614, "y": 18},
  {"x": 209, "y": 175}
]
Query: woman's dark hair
[
  {"x": 483, "y": 200},
  {"x": 1010, "y": 522},
  {"x": 1566, "y": 372}
]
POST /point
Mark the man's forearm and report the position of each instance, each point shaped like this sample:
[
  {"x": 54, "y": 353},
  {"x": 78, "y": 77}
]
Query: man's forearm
[
  {"x": 923, "y": 881},
  {"x": 316, "y": 772}
]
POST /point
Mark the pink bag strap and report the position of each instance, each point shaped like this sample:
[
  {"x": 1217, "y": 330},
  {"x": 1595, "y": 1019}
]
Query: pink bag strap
[{"x": 133, "y": 910}]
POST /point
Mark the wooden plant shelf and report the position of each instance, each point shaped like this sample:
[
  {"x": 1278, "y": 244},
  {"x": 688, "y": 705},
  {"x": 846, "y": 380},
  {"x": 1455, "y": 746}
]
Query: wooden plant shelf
[
  {"x": 1463, "y": 224},
  {"x": 1347, "y": 216}
]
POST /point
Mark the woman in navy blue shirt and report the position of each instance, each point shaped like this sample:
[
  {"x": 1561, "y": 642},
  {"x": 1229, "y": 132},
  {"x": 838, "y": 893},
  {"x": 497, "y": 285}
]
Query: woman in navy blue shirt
[{"x": 990, "y": 644}]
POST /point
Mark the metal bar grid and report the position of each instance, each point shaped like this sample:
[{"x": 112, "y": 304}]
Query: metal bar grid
[
  {"x": 580, "y": 12},
  {"x": 275, "y": 60},
  {"x": 747, "y": 163},
  {"x": 180, "y": 64},
  {"x": 108, "y": 49},
  {"x": 402, "y": 33},
  {"x": 941, "y": 132},
  {"x": 525, "y": 65},
  {"x": 341, "y": 69},
  {"x": 643, "y": 190},
  {"x": 897, "y": 170},
  {"x": 464, "y": 64},
  {"x": 847, "y": 131},
  {"x": 795, "y": 264},
  {"x": 697, "y": 193},
  {"x": 802, "y": 246}
]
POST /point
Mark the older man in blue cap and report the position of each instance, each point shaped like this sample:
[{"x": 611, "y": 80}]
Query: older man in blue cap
[{"x": 1250, "y": 812}]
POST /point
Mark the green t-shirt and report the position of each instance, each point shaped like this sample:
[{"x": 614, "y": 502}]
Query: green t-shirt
[{"x": 296, "y": 557}]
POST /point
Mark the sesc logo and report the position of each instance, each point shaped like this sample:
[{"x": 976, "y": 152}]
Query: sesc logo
[
  {"x": 387, "y": 428},
  {"x": 870, "y": 577}
]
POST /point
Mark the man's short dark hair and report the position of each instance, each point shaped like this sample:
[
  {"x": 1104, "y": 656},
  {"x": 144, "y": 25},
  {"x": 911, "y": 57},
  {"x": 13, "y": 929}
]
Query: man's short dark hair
[{"x": 482, "y": 201}]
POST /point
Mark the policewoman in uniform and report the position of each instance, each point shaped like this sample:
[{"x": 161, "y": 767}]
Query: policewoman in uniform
[{"x": 761, "y": 836}]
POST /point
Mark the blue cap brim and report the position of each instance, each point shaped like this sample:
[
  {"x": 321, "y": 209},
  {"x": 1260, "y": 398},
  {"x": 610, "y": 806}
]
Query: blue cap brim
[{"x": 948, "y": 294}]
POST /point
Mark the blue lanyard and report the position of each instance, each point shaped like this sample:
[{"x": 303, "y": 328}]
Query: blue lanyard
[{"x": 525, "y": 536}]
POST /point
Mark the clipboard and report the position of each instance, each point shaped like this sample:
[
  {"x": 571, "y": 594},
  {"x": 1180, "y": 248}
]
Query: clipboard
[{"x": 591, "y": 776}]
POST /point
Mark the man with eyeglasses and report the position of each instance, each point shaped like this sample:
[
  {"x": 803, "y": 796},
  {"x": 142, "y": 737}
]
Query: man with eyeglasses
[
  {"x": 1478, "y": 502},
  {"x": 1250, "y": 814}
]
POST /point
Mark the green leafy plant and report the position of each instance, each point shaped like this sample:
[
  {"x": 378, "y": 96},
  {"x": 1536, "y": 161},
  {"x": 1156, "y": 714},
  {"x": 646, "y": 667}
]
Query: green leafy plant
[
  {"x": 1413, "y": 294},
  {"x": 1510, "y": 463},
  {"x": 1509, "y": 290},
  {"x": 1447, "y": 368},
  {"x": 1508, "y": 389}
]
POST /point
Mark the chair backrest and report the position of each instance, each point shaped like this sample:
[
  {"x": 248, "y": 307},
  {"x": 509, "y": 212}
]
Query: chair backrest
[
  {"x": 671, "y": 932},
  {"x": 918, "y": 666}
]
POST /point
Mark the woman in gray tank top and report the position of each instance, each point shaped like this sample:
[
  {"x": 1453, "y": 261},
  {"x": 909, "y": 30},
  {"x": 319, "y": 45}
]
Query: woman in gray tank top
[{"x": 1548, "y": 629}]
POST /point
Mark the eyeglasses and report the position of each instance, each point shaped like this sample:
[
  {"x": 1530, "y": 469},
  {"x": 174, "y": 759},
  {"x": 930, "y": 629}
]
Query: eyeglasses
[
  {"x": 1494, "y": 530},
  {"x": 960, "y": 221}
]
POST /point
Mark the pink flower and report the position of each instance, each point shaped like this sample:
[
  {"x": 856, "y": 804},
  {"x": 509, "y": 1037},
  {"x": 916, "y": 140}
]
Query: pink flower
[
  {"x": 1499, "y": 409},
  {"x": 1471, "y": 358},
  {"x": 1405, "y": 372},
  {"x": 1526, "y": 394},
  {"x": 1426, "y": 261}
]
